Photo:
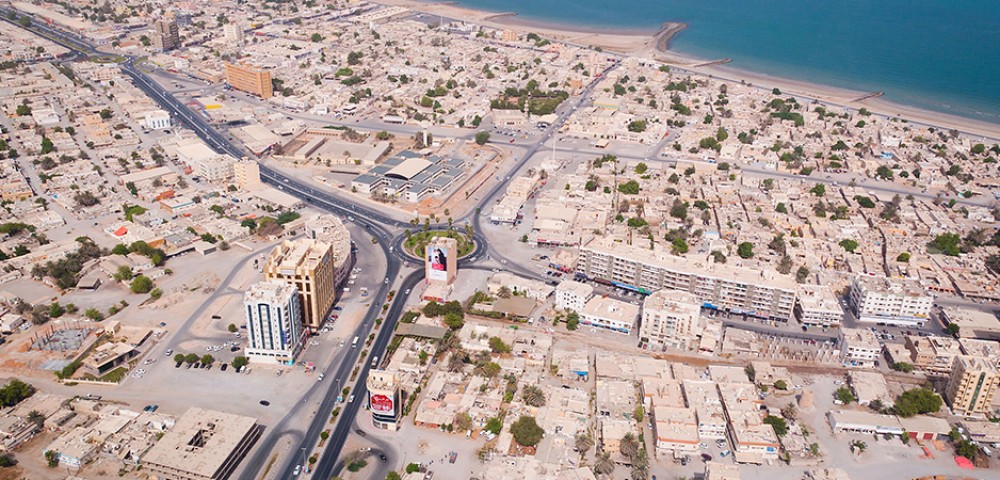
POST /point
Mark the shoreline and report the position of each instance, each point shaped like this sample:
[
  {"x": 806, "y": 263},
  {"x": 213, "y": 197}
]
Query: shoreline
[{"x": 656, "y": 45}]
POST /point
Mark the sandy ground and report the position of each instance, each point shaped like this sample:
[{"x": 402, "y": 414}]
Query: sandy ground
[{"x": 648, "y": 44}]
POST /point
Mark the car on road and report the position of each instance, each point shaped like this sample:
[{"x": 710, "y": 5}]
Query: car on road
[
  {"x": 350, "y": 399},
  {"x": 224, "y": 367},
  {"x": 178, "y": 364},
  {"x": 265, "y": 403},
  {"x": 170, "y": 352},
  {"x": 320, "y": 377},
  {"x": 360, "y": 432},
  {"x": 298, "y": 469},
  {"x": 382, "y": 458}
]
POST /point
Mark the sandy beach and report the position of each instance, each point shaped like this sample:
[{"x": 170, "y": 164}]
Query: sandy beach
[{"x": 650, "y": 44}]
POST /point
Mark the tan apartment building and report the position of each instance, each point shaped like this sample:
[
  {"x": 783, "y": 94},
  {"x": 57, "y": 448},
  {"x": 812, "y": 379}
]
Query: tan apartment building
[
  {"x": 165, "y": 35},
  {"x": 250, "y": 79},
  {"x": 309, "y": 265},
  {"x": 670, "y": 319},
  {"x": 743, "y": 291},
  {"x": 972, "y": 384},
  {"x": 202, "y": 445},
  {"x": 933, "y": 354}
]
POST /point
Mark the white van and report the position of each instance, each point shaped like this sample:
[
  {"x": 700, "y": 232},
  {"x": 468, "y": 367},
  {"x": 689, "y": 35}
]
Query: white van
[
  {"x": 374, "y": 361},
  {"x": 354, "y": 343}
]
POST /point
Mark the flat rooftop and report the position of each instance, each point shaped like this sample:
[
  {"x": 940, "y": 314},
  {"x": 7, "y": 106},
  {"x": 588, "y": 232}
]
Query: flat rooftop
[{"x": 200, "y": 442}]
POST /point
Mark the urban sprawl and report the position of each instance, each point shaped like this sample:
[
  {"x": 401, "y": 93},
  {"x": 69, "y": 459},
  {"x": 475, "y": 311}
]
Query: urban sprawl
[{"x": 339, "y": 239}]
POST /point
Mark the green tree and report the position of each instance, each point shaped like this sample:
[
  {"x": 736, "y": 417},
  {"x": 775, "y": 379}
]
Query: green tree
[
  {"x": 902, "y": 367},
  {"x": 526, "y": 431},
  {"x": 630, "y": 187},
  {"x": 864, "y": 201},
  {"x": 679, "y": 246},
  {"x": 94, "y": 314},
  {"x": 802, "y": 274},
  {"x": 745, "y": 250},
  {"x": 498, "y": 346},
  {"x": 232, "y": 328},
  {"x": 917, "y": 400},
  {"x": 966, "y": 449},
  {"x": 641, "y": 168},
  {"x": 123, "y": 274},
  {"x": 240, "y": 361},
  {"x": 316, "y": 38},
  {"x": 178, "y": 358},
  {"x": 637, "y": 126},
  {"x": 493, "y": 425},
  {"x": 454, "y": 320},
  {"x": 883, "y": 172},
  {"x": 903, "y": 257},
  {"x": 781, "y": 385},
  {"x": 947, "y": 244},
  {"x": 207, "y": 359},
  {"x": 849, "y": 245},
  {"x": 141, "y": 284},
  {"x": 47, "y": 145},
  {"x": 819, "y": 190},
  {"x": 572, "y": 321},
  {"x": 953, "y": 329},
  {"x": 781, "y": 208},
  {"x": 482, "y": 137},
  {"x": 191, "y": 358},
  {"x": 778, "y": 423},
  {"x": 106, "y": 113},
  {"x": 52, "y": 458},
  {"x": 845, "y": 395}
]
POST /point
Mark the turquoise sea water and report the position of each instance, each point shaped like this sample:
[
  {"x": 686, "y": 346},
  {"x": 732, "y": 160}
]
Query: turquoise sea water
[{"x": 935, "y": 54}]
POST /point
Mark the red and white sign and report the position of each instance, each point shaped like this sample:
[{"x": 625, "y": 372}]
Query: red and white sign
[{"x": 381, "y": 403}]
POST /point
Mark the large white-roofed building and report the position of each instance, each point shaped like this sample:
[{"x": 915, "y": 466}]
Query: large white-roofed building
[{"x": 410, "y": 177}]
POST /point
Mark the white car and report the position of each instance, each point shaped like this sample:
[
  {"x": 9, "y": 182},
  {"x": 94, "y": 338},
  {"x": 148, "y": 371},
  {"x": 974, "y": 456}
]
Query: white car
[{"x": 320, "y": 377}]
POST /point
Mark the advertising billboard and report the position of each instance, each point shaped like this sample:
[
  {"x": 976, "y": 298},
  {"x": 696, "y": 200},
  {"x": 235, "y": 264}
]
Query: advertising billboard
[
  {"x": 381, "y": 404},
  {"x": 437, "y": 262}
]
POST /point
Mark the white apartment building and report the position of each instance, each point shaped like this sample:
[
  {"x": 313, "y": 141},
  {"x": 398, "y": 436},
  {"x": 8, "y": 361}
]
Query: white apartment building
[
  {"x": 233, "y": 33},
  {"x": 670, "y": 318},
  {"x": 817, "y": 306},
  {"x": 764, "y": 293},
  {"x": 890, "y": 301},
  {"x": 703, "y": 397},
  {"x": 573, "y": 295},
  {"x": 204, "y": 161},
  {"x": 157, "y": 120},
  {"x": 274, "y": 323},
  {"x": 609, "y": 314},
  {"x": 859, "y": 347}
]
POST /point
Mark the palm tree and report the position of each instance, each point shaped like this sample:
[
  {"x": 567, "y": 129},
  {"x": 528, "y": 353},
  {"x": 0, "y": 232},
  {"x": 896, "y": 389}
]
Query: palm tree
[
  {"x": 604, "y": 465},
  {"x": 583, "y": 442},
  {"x": 37, "y": 418},
  {"x": 533, "y": 396},
  {"x": 640, "y": 465},
  {"x": 504, "y": 292},
  {"x": 629, "y": 445}
]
